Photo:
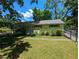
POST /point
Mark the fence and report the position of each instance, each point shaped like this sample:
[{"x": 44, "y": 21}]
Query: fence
[{"x": 72, "y": 34}]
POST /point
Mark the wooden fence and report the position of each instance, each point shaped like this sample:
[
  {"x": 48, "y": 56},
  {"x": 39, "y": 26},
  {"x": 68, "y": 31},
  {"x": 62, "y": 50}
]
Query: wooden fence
[{"x": 72, "y": 34}]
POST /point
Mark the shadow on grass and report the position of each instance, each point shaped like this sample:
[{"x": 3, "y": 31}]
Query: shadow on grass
[
  {"x": 16, "y": 46},
  {"x": 16, "y": 51}
]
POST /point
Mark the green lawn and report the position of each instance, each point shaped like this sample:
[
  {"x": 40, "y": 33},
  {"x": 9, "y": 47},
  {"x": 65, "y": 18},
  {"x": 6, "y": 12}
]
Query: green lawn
[
  {"x": 50, "y": 49},
  {"x": 5, "y": 29}
]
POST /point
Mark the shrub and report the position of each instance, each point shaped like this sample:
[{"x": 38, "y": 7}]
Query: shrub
[
  {"x": 46, "y": 33},
  {"x": 59, "y": 32},
  {"x": 53, "y": 33},
  {"x": 36, "y": 33},
  {"x": 0, "y": 30},
  {"x": 42, "y": 33},
  {"x": 33, "y": 34}
]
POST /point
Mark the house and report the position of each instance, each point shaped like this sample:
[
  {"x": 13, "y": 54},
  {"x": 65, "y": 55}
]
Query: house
[
  {"x": 47, "y": 25},
  {"x": 42, "y": 26}
]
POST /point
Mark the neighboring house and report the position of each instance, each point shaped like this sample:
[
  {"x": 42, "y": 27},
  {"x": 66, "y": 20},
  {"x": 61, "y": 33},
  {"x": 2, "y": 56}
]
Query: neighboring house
[{"x": 48, "y": 25}]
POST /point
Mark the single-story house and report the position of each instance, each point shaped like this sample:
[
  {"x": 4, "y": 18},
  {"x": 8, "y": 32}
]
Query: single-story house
[
  {"x": 47, "y": 25},
  {"x": 42, "y": 26}
]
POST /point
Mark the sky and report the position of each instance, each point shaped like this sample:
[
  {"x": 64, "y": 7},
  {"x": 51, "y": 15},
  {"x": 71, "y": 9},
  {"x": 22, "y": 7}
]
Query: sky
[
  {"x": 28, "y": 5},
  {"x": 27, "y": 11}
]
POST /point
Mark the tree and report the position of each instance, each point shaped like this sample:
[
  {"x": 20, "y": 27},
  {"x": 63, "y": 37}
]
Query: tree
[
  {"x": 70, "y": 6},
  {"x": 41, "y": 14},
  {"x": 47, "y": 14},
  {"x": 9, "y": 40},
  {"x": 53, "y": 6},
  {"x": 73, "y": 6},
  {"x": 14, "y": 16},
  {"x": 8, "y": 5}
]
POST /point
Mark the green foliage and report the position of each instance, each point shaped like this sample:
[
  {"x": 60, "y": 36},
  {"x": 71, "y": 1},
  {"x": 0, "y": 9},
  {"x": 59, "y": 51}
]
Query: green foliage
[
  {"x": 34, "y": 1},
  {"x": 73, "y": 6},
  {"x": 70, "y": 6},
  {"x": 69, "y": 24},
  {"x": 42, "y": 32},
  {"x": 53, "y": 5},
  {"x": 35, "y": 32},
  {"x": 8, "y": 5},
  {"x": 53, "y": 33},
  {"x": 6, "y": 23},
  {"x": 5, "y": 29},
  {"x": 58, "y": 32},
  {"x": 46, "y": 33},
  {"x": 41, "y": 15},
  {"x": 20, "y": 28},
  {"x": 47, "y": 15}
]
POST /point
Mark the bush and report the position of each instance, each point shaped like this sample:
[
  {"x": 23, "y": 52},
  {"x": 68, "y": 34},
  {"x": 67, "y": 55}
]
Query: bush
[
  {"x": 0, "y": 30},
  {"x": 32, "y": 34},
  {"x": 53, "y": 33},
  {"x": 46, "y": 33},
  {"x": 36, "y": 33},
  {"x": 59, "y": 32},
  {"x": 42, "y": 33},
  {"x": 3, "y": 31}
]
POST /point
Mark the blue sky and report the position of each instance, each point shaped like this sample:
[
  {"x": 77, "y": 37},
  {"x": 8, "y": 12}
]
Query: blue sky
[
  {"x": 27, "y": 6},
  {"x": 26, "y": 10}
]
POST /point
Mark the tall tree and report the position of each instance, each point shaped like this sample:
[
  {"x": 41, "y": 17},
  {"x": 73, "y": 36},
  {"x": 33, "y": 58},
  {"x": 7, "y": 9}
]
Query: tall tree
[
  {"x": 8, "y": 5},
  {"x": 52, "y": 5},
  {"x": 47, "y": 14},
  {"x": 13, "y": 15},
  {"x": 69, "y": 7},
  {"x": 41, "y": 14},
  {"x": 73, "y": 6}
]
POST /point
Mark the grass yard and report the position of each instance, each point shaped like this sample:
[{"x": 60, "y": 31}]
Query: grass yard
[
  {"x": 5, "y": 29},
  {"x": 50, "y": 49}
]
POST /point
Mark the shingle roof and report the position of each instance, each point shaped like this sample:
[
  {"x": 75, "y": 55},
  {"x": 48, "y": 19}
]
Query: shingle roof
[{"x": 42, "y": 22}]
